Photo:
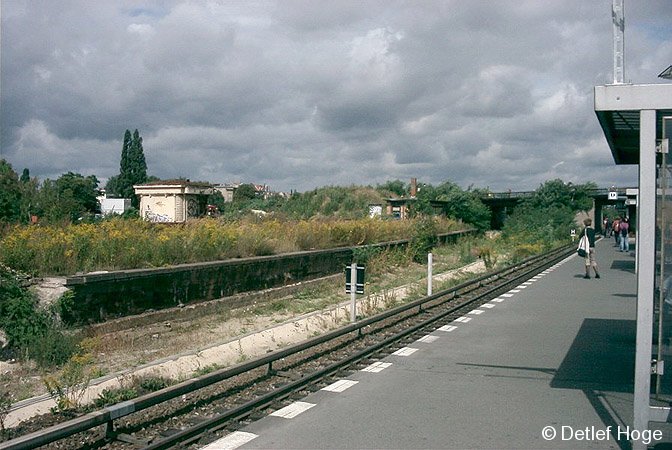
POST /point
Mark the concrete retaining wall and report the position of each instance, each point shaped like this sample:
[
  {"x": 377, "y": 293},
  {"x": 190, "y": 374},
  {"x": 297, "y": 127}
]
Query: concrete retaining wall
[{"x": 102, "y": 296}]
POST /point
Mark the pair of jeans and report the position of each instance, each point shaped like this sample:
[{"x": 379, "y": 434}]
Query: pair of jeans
[{"x": 625, "y": 244}]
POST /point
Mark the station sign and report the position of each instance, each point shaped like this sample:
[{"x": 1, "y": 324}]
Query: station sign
[{"x": 359, "y": 283}]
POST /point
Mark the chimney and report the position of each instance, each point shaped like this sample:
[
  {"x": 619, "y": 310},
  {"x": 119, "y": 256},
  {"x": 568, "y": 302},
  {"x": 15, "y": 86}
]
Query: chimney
[{"x": 414, "y": 187}]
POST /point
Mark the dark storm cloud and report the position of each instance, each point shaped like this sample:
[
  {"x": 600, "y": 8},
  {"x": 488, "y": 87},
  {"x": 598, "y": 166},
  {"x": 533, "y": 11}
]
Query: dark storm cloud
[{"x": 299, "y": 94}]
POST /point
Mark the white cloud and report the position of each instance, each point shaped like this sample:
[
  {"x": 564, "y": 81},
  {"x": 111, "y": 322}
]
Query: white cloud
[{"x": 141, "y": 29}]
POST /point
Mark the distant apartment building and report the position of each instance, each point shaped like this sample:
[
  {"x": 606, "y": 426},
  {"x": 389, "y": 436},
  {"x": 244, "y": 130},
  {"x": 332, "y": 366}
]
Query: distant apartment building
[{"x": 173, "y": 201}]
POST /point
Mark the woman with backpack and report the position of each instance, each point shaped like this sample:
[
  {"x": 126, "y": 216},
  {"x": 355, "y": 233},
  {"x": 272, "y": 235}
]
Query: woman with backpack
[{"x": 624, "y": 228}]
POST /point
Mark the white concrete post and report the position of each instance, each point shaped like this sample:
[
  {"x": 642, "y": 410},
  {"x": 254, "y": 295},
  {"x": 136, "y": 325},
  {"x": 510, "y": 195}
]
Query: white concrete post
[
  {"x": 429, "y": 273},
  {"x": 353, "y": 292},
  {"x": 646, "y": 253}
]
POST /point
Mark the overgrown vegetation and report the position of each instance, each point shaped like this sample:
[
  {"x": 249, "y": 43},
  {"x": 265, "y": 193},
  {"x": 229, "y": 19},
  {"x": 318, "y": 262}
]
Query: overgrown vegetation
[
  {"x": 5, "y": 404},
  {"x": 68, "y": 385},
  {"x": 545, "y": 219},
  {"x": 123, "y": 244},
  {"x": 32, "y": 332}
]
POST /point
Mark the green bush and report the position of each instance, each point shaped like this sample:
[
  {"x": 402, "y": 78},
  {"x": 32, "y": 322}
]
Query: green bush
[
  {"x": 151, "y": 384},
  {"x": 362, "y": 255},
  {"x": 53, "y": 349},
  {"x": 112, "y": 396},
  {"x": 423, "y": 240},
  {"x": 5, "y": 405},
  {"x": 23, "y": 323},
  {"x": 68, "y": 385},
  {"x": 64, "y": 307},
  {"x": 30, "y": 330}
]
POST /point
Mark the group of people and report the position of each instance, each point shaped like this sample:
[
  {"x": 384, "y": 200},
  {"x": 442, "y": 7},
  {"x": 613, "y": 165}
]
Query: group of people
[{"x": 619, "y": 228}]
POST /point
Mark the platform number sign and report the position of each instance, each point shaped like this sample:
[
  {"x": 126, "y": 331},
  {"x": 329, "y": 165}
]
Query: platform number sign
[{"x": 359, "y": 284}]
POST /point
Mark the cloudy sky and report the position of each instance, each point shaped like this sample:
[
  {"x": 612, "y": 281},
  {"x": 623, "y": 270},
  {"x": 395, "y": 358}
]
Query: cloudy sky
[{"x": 302, "y": 94}]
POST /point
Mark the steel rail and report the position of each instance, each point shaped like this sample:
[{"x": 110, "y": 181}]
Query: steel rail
[{"x": 107, "y": 415}]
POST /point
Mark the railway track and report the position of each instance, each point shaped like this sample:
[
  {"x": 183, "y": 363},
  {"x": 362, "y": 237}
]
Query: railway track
[{"x": 197, "y": 411}]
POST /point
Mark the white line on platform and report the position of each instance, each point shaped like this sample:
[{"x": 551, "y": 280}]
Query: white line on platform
[
  {"x": 340, "y": 385},
  {"x": 377, "y": 367},
  {"x": 507, "y": 295},
  {"x": 514, "y": 291},
  {"x": 405, "y": 351},
  {"x": 476, "y": 311},
  {"x": 497, "y": 300},
  {"x": 293, "y": 410},
  {"x": 463, "y": 319},
  {"x": 231, "y": 441},
  {"x": 428, "y": 339},
  {"x": 488, "y": 305},
  {"x": 448, "y": 328}
]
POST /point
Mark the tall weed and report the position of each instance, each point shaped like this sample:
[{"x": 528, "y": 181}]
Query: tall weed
[{"x": 133, "y": 243}]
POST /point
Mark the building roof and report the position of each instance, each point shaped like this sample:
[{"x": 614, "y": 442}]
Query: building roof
[
  {"x": 618, "y": 107},
  {"x": 177, "y": 182}
]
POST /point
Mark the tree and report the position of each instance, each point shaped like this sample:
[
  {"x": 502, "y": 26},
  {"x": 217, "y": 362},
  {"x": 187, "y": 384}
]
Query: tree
[
  {"x": 132, "y": 169},
  {"x": 112, "y": 187},
  {"x": 244, "y": 192},
  {"x": 29, "y": 194},
  {"x": 25, "y": 176},
  {"x": 458, "y": 204},
  {"x": 555, "y": 193},
  {"x": 70, "y": 197},
  {"x": 549, "y": 213},
  {"x": 10, "y": 193},
  {"x": 396, "y": 187}
]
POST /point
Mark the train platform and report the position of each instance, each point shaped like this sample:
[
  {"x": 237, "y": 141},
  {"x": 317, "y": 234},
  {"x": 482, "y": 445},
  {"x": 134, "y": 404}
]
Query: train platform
[{"x": 547, "y": 365}]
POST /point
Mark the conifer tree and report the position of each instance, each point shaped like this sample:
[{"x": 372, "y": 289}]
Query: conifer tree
[{"x": 132, "y": 168}]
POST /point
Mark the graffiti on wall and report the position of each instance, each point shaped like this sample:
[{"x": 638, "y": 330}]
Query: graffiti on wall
[{"x": 156, "y": 218}]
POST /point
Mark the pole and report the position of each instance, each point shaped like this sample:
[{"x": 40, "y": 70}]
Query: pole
[
  {"x": 661, "y": 282},
  {"x": 430, "y": 259},
  {"x": 353, "y": 292}
]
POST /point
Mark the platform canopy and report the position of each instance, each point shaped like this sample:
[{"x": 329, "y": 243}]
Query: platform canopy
[{"x": 618, "y": 109}]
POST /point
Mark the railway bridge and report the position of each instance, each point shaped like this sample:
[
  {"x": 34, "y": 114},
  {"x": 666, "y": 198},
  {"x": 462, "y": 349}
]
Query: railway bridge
[{"x": 624, "y": 199}]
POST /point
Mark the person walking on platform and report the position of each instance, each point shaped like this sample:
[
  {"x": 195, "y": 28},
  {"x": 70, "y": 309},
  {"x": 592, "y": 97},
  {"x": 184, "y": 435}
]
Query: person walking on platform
[
  {"x": 590, "y": 256},
  {"x": 625, "y": 240},
  {"x": 617, "y": 235}
]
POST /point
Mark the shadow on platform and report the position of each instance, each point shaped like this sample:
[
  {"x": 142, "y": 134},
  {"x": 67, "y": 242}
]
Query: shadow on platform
[
  {"x": 623, "y": 265},
  {"x": 601, "y": 358}
]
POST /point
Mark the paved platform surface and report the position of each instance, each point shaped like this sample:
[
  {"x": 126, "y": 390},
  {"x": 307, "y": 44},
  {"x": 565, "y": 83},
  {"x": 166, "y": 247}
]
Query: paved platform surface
[{"x": 548, "y": 365}]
